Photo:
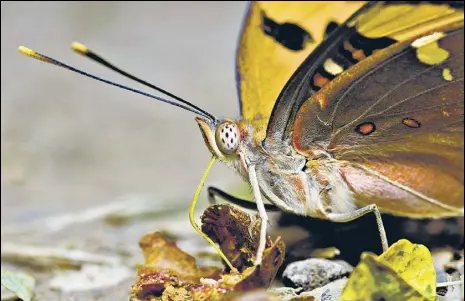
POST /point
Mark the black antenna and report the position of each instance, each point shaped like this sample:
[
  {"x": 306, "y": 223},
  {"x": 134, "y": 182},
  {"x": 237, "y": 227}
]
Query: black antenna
[
  {"x": 44, "y": 58},
  {"x": 83, "y": 50}
]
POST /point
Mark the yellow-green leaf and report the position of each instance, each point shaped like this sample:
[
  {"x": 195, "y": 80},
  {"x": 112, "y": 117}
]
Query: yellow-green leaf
[
  {"x": 20, "y": 284},
  {"x": 404, "y": 272},
  {"x": 414, "y": 264}
]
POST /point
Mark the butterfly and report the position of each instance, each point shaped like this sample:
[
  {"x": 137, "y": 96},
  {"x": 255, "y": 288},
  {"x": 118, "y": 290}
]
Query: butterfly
[
  {"x": 347, "y": 108},
  {"x": 370, "y": 121}
]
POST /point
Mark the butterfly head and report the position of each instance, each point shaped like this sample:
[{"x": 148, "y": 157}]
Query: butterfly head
[{"x": 222, "y": 137}]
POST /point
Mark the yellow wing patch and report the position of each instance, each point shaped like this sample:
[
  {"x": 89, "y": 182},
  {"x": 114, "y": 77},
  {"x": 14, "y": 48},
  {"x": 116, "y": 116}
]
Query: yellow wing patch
[
  {"x": 403, "y": 21},
  {"x": 264, "y": 64}
]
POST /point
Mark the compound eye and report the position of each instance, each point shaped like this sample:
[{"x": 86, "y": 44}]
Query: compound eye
[{"x": 227, "y": 137}]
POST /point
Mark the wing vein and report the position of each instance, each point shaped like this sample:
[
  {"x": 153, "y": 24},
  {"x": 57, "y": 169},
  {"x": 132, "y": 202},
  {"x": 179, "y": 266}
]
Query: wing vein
[
  {"x": 405, "y": 188},
  {"x": 377, "y": 102}
]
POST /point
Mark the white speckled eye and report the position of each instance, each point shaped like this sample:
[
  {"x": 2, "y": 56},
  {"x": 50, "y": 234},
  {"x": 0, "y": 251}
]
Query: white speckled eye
[{"x": 227, "y": 137}]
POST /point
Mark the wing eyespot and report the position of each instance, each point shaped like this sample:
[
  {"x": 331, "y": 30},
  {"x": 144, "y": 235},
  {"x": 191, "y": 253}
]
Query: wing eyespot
[
  {"x": 411, "y": 123},
  {"x": 366, "y": 128}
]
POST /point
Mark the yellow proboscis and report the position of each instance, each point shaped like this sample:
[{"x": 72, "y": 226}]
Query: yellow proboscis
[{"x": 192, "y": 218}]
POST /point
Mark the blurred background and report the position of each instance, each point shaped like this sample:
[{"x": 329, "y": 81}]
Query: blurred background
[{"x": 69, "y": 143}]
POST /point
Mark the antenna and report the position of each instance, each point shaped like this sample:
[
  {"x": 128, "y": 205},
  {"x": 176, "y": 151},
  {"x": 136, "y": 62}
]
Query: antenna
[
  {"x": 83, "y": 50},
  {"x": 38, "y": 56}
]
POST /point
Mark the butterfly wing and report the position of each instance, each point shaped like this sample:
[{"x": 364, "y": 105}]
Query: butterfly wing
[
  {"x": 394, "y": 121},
  {"x": 275, "y": 39},
  {"x": 372, "y": 28}
]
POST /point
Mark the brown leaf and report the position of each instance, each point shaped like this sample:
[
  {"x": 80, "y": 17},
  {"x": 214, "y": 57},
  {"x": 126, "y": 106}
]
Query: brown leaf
[
  {"x": 166, "y": 265},
  {"x": 170, "y": 274},
  {"x": 159, "y": 253},
  {"x": 235, "y": 231}
]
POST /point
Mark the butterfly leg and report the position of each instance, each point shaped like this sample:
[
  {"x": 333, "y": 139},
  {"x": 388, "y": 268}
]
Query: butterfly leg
[
  {"x": 215, "y": 193},
  {"x": 350, "y": 216},
  {"x": 261, "y": 211}
]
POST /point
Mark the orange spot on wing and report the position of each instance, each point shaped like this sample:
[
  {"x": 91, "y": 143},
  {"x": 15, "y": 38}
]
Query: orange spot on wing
[
  {"x": 365, "y": 128},
  {"x": 348, "y": 46},
  {"x": 411, "y": 123},
  {"x": 319, "y": 80},
  {"x": 358, "y": 55}
]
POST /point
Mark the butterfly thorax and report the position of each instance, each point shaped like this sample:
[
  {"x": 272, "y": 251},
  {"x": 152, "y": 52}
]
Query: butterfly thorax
[{"x": 309, "y": 186}]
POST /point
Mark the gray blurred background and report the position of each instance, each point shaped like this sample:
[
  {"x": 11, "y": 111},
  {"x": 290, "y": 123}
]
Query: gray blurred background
[{"x": 69, "y": 142}]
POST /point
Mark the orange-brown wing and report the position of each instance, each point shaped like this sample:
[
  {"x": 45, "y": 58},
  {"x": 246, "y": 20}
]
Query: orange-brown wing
[
  {"x": 276, "y": 38},
  {"x": 413, "y": 162},
  {"x": 395, "y": 121}
]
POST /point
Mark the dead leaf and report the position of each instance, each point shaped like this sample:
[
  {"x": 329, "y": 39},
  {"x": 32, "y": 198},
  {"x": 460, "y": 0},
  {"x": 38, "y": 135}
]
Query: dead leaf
[
  {"x": 161, "y": 254},
  {"x": 414, "y": 263},
  {"x": 236, "y": 232},
  {"x": 404, "y": 272},
  {"x": 170, "y": 274},
  {"x": 166, "y": 265}
]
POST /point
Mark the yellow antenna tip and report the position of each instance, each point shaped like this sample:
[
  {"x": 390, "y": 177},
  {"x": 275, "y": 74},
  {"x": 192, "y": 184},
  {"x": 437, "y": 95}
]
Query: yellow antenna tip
[
  {"x": 26, "y": 51},
  {"x": 79, "y": 48}
]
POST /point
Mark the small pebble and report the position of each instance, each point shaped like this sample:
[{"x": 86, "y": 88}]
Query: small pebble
[{"x": 313, "y": 273}]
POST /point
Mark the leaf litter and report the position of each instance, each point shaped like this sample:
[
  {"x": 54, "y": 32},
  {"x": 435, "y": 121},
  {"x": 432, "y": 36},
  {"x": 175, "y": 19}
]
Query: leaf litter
[
  {"x": 171, "y": 274},
  {"x": 404, "y": 272}
]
